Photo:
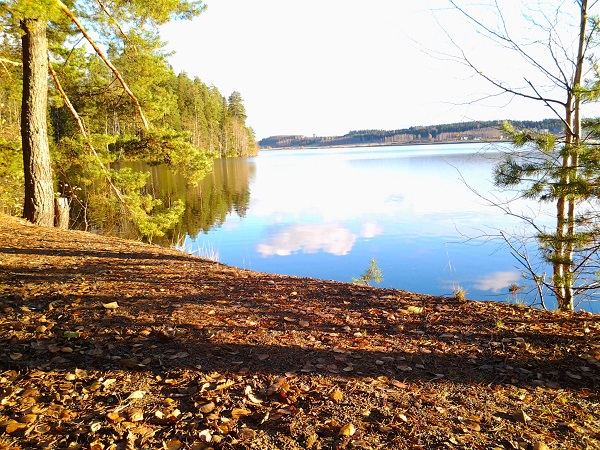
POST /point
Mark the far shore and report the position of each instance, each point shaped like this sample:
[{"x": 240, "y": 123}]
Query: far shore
[{"x": 382, "y": 144}]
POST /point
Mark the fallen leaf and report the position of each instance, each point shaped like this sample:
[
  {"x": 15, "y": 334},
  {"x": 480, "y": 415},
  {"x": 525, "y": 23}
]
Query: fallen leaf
[
  {"x": 13, "y": 427},
  {"x": 205, "y": 436},
  {"x": 401, "y": 417},
  {"x": 336, "y": 395},
  {"x": 398, "y": 384},
  {"x": 136, "y": 394},
  {"x": 236, "y": 413},
  {"x": 226, "y": 385},
  {"x": 312, "y": 440},
  {"x": 521, "y": 416},
  {"x": 251, "y": 397},
  {"x": 172, "y": 445},
  {"x": 114, "y": 417},
  {"x": 207, "y": 407},
  {"x": 137, "y": 415},
  {"x": 246, "y": 433},
  {"x": 28, "y": 418},
  {"x": 111, "y": 305},
  {"x": 347, "y": 430},
  {"x": 15, "y": 356}
]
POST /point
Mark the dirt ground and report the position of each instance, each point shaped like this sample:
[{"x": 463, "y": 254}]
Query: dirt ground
[{"x": 112, "y": 344}]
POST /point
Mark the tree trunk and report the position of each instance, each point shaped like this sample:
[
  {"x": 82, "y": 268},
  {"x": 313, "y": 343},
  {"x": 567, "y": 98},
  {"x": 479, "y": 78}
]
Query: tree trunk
[
  {"x": 61, "y": 219},
  {"x": 39, "y": 190}
]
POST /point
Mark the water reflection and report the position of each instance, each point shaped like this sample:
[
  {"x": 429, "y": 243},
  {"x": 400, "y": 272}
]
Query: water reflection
[
  {"x": 497, "y": 281},
  {"x": 325, "y": 213},
  {"x": 224, "y": 191},
  {"x": 312, "y": 238}
]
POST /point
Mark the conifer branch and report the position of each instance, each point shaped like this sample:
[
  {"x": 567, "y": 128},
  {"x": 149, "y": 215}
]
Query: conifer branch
[
  {"x": 83, "y": 131},
  {"x": 106, "y": 61},
  {"x": 9, "y": 61}
]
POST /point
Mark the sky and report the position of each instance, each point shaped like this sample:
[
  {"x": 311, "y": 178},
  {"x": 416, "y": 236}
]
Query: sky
[{"x": 327, "y": 67}]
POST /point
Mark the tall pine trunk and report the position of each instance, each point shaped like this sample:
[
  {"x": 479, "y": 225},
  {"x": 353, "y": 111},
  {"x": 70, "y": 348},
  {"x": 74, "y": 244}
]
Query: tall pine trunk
[
  {"x": 568, "y": 200},
  {"x": 39, "y": 190}
]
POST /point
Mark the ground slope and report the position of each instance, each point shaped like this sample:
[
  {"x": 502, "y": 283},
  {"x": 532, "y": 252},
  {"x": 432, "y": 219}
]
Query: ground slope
[{"x": 111, "y": 344}]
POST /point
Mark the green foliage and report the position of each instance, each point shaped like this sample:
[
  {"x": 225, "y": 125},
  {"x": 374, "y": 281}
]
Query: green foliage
[
  {"x": 373, "y": 273},
  {"x": 191, "y": 123},
  {"x": 11, "y": 178}
]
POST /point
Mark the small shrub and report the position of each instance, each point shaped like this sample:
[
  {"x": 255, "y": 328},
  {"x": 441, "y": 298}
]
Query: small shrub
[
  {"x": 373, "y": 273},
  {"x": 460, "y": 294}
]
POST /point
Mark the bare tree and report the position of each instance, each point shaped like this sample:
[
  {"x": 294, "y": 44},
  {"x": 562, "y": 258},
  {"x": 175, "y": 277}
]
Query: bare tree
[{"x": 550, "y": 169}]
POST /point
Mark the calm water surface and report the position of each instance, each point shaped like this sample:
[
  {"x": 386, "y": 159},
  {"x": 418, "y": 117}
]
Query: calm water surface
[{"x": 325, "y": 213}]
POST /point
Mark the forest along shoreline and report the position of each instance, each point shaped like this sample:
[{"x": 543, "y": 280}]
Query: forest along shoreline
[{"x": 106, "y": 343}]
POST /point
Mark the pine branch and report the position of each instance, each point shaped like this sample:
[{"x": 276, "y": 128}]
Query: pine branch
[
  {"x": 83, "y": 131},
  {"x": 106, "y": 61}
]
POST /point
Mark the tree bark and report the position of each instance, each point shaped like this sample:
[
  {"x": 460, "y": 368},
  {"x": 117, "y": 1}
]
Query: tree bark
[
  {"x": 39, "y": 190},
  {"x": 61, "y": 219}
]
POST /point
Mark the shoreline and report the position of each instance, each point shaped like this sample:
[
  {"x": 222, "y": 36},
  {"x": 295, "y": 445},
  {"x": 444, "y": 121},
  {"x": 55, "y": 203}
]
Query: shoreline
[
  {"x": 382, "y": 144},
  {"x": 109, "y": 343}
]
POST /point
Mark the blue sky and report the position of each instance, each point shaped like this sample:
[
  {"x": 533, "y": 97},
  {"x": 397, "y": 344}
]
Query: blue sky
[{"x": 326, "y": 67}]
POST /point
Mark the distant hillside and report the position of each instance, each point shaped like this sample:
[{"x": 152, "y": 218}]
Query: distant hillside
[{"x": 463, "y": 131}]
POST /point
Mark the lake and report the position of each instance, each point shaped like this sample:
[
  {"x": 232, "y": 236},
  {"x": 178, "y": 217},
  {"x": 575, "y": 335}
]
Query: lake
[
  {"x": 326, "y": 213},
  {"x": 423, "y": 212}
]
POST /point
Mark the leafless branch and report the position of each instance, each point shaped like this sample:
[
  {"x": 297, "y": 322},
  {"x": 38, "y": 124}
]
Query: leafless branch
[{"x": 523, "y": 259}]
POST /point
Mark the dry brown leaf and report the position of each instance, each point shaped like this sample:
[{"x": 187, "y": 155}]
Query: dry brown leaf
[
  {"x": 226, "y": 385},
  {"x": 236, "y": 413},
  {"x": 13, "y": 427},
  {"x": 207, "y": 408},
  {"x": 336, "y": 395},
  {"x": 398, "y": 384},
  {"x": 137, "y": 415},
  {"x": 312, "y": 440},
  {"x": 521, "y": 416},
  {"x": 172, "y": 445},
  {"x": 251, "y": 397},
  {"x": 28, "y": 418},
  {"x": 246, "y": 433},
  {"x": 136, "y": 395},
  {"x": 114, "y": 417},
  {"x": 401, "y": 417},
  {"x": 347, "y": 430},
  {"x": 205, "y": 436}
]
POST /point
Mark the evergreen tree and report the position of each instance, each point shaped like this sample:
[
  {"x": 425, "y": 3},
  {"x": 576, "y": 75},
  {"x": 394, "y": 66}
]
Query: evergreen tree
[{"x": 34, "y": 18}]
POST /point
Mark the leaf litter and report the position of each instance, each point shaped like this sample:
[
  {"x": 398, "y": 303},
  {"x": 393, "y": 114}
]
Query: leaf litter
[{"x": 111, "y": 344}]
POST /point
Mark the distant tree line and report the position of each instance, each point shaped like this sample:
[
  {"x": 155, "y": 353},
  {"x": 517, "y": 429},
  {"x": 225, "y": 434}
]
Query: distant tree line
[{"x": 488, "y": 130}]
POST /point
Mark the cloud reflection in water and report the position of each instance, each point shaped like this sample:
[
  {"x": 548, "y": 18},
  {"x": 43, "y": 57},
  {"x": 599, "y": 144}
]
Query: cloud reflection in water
[
  {"x": 497, "y": 281},
  {"x": 312, "y": 238}
]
